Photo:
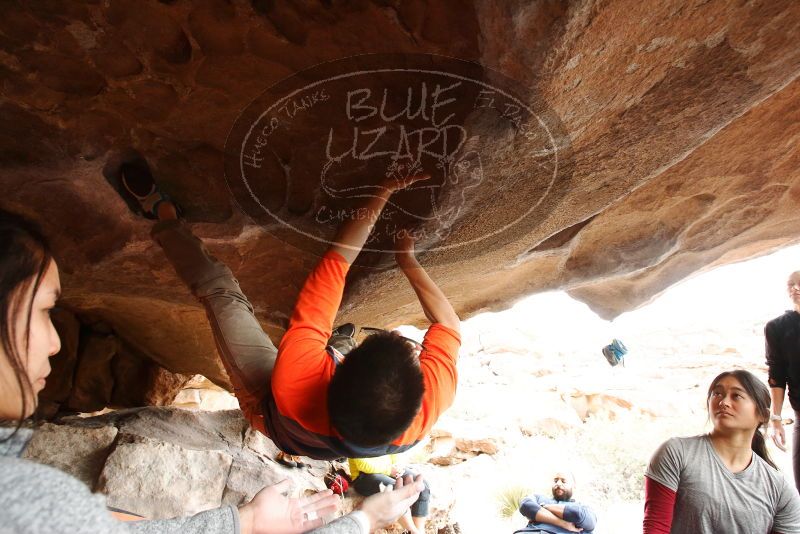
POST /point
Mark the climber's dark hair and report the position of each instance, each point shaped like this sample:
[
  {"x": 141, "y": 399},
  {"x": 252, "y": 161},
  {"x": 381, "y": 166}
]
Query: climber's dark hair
[{"x": 376, "y": 393}]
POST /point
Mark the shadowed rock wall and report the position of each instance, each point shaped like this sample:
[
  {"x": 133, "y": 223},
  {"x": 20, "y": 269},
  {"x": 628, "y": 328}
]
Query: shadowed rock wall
[{"x": 682, "y": 118}]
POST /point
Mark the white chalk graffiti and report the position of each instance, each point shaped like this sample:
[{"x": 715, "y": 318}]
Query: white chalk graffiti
[{"x": 397, "y": 129}]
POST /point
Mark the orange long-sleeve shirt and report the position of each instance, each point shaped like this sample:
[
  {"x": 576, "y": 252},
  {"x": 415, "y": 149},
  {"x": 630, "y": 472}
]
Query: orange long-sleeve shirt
[{"x": 296, "y": 415}]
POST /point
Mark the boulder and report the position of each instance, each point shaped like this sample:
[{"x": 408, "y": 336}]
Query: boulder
[
  {"x": 601, "y": 405},
  {"x": 453, "y": 441},
  {"x": 95, "y": 370},
  {"x": 670, "y": 122},
  {"x": 167, "y": 462},
  {"x": 80, "y": 451},
  {"x": 140, "y": 477}
]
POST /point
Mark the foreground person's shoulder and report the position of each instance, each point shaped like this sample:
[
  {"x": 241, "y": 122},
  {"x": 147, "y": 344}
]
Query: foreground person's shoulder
[{"x": 40, "y": 498}]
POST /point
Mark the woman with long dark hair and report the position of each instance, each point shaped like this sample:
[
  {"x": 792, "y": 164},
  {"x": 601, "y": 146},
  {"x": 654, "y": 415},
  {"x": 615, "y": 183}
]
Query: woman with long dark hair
[
  {"x": 39, "y": 498},
  {"x": 723, "y": 481}
]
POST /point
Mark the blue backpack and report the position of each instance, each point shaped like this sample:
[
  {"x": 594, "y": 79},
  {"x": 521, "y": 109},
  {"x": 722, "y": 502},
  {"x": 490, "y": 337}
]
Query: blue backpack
[{"x": 615, "y": 352}]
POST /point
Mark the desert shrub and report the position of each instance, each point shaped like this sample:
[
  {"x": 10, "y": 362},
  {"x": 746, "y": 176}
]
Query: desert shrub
[{"x": 509, "y": 499}]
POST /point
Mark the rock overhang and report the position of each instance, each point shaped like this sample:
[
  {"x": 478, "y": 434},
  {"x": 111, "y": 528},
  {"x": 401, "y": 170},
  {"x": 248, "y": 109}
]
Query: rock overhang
[{"x": 680, "y": 121}]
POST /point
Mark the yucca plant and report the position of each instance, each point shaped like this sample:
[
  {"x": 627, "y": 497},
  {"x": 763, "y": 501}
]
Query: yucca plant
[{"x": 509, "y": 499}]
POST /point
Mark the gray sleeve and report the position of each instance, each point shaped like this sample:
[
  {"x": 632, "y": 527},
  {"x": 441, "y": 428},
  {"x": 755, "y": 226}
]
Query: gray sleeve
[
  {"x": 666, "y": 464},
  {"x": 529, "y": 507},
  {"x": 581, "y": 516},
  {"x": 341, "y": 525},
  {"x": 38, "y": 498},
  {"x": 787, "y": 514},
  {"x": 224, "y": 519}
]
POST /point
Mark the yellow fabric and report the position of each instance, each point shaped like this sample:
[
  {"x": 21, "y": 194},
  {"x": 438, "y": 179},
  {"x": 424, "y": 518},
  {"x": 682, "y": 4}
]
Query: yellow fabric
[{"x": 382, "y": 465}]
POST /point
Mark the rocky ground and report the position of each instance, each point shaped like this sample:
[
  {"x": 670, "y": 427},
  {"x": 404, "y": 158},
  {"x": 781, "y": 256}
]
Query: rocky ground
[{"x": 164, "y": 462}]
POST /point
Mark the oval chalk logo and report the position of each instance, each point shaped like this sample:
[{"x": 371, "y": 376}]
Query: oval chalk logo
[{"x": 308, "y": 152}]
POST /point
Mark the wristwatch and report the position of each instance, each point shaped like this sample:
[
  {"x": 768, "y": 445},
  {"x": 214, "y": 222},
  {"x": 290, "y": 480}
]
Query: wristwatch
[{"x": 775, "y": 417}]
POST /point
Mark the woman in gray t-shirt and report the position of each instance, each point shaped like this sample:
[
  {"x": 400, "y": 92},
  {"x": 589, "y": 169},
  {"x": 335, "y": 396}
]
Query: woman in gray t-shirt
[{"x": 715, "y": 483}]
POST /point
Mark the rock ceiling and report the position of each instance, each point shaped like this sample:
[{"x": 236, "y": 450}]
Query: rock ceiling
[{"x": 678, "y": 123}]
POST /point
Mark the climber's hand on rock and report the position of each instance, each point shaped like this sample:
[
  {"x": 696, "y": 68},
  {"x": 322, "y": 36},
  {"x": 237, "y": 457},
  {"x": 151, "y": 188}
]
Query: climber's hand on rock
[{"x": 397, "y": 183}]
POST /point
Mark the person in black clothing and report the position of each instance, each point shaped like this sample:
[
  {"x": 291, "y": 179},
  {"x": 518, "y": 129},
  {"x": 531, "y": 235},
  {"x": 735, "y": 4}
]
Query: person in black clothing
[{"x": 782, "y": 336}]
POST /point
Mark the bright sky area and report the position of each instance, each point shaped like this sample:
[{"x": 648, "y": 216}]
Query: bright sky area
[
  {"x": 744, "y": 293},
  {"x": 747, "y": 291}
]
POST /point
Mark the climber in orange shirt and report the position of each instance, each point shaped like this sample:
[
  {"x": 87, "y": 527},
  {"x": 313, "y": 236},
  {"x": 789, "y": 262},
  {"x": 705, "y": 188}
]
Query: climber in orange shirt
[{"x": 382, "y": 398}]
